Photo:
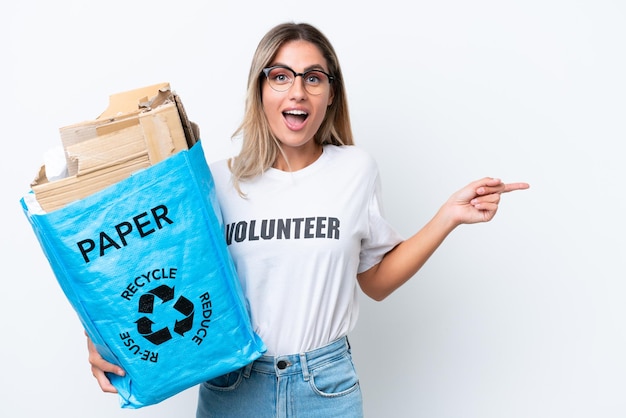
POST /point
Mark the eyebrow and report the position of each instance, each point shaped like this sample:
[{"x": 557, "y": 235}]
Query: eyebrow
[{"x": 306, "y": 69}]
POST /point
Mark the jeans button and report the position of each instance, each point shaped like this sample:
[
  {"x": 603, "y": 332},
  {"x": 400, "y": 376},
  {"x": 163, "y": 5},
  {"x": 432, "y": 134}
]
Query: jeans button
[{"x": 282, "y": 364}]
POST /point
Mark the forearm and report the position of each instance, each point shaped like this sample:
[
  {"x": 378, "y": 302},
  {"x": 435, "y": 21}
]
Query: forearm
[
  {"x": 401, "y": 263},
  {"x": 476, "y": 202}
]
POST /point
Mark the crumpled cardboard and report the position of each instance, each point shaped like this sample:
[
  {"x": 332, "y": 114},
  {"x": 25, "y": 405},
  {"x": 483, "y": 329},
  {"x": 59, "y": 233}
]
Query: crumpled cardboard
[{"x": 139, "y": 128}]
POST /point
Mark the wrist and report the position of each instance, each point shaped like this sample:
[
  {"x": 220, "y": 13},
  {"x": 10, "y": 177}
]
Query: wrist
[{"x": 446, "y": 218}]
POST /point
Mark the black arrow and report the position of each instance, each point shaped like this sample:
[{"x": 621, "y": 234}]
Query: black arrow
[
  {"x": 184, "y": 306},
  {"x": 146, "y": 303},
  {"x": 159, "y": 337},
  {"x": 163, "y": 292},
  {"x": 184, "y": 325},
  {"x": 144, "y": 325}
]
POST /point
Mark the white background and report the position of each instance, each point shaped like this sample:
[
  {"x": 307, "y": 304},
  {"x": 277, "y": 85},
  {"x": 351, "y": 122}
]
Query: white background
[{"x": 521, "y": 317}]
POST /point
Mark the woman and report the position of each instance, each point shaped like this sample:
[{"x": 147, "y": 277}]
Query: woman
[{"x": 304, "y": 225}]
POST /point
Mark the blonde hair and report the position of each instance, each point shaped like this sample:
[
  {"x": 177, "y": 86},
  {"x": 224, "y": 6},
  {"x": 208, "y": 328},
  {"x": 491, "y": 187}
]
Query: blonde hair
[{"x": 260, "y": 147}]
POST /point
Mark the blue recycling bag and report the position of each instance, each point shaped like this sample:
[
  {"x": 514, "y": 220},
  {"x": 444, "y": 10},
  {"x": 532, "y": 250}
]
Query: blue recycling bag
[{"x": 145, "y": 265}]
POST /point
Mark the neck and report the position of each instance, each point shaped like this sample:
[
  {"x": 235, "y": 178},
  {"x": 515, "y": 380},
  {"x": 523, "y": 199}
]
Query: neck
[{"x": 297, "y": 158}]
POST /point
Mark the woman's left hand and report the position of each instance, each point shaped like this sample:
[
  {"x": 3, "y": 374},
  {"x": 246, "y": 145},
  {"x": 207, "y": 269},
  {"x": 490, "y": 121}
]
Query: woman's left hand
[{"x": 478, "y": 201}]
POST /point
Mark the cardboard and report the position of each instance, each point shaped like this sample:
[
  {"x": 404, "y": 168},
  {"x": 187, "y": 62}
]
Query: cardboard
[{"x": 139, "y": 128}]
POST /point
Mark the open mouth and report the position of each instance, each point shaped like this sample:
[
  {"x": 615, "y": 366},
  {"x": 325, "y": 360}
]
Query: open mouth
[{"x": 295, "y": 116}]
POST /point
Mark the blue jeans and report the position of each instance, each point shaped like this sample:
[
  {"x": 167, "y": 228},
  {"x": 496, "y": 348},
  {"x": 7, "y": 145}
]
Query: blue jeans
[{"x": 320, "y": 383}]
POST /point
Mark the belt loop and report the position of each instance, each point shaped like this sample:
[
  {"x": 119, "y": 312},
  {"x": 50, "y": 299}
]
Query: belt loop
[
  {"x": 304, "y": 366},
  {"x": 247, "y": 370}
]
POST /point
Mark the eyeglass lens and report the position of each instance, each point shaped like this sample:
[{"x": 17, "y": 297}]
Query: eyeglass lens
[{"x": 282, "y": 78}]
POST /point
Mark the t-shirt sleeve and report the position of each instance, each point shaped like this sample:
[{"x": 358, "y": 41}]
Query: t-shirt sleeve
[{"x": 382, "y": 236}]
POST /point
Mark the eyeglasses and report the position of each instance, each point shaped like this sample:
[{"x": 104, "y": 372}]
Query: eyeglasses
[{"x": 281, "y": 78}]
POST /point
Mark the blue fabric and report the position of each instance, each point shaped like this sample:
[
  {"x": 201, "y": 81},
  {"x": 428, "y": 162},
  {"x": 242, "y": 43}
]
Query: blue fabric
[
  {"x": 321, "y": 383},
  {"x": 145, "y": 265}
]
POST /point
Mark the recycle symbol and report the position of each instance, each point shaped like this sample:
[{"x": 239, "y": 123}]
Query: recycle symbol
[{"x": 146, "y": 306}]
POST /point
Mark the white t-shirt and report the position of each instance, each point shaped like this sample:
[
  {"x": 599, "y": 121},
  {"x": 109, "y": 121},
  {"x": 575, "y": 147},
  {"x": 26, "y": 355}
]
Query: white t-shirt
[{"x": 298, "y": 240}]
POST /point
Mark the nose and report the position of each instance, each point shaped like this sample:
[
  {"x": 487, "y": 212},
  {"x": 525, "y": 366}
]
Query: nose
[{"x": 297, "y": 89}]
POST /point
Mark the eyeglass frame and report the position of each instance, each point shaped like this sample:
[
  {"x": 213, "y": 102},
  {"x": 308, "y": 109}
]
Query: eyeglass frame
[{"x": 266, "y": 72}]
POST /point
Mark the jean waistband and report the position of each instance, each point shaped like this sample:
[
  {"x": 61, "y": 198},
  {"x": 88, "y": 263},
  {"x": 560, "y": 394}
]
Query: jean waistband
[{"x": 299, "y": 363}]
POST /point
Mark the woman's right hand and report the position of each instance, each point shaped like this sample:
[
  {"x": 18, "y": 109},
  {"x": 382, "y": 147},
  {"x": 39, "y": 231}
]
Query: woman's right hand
[{"x": 99, "y": 366}]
